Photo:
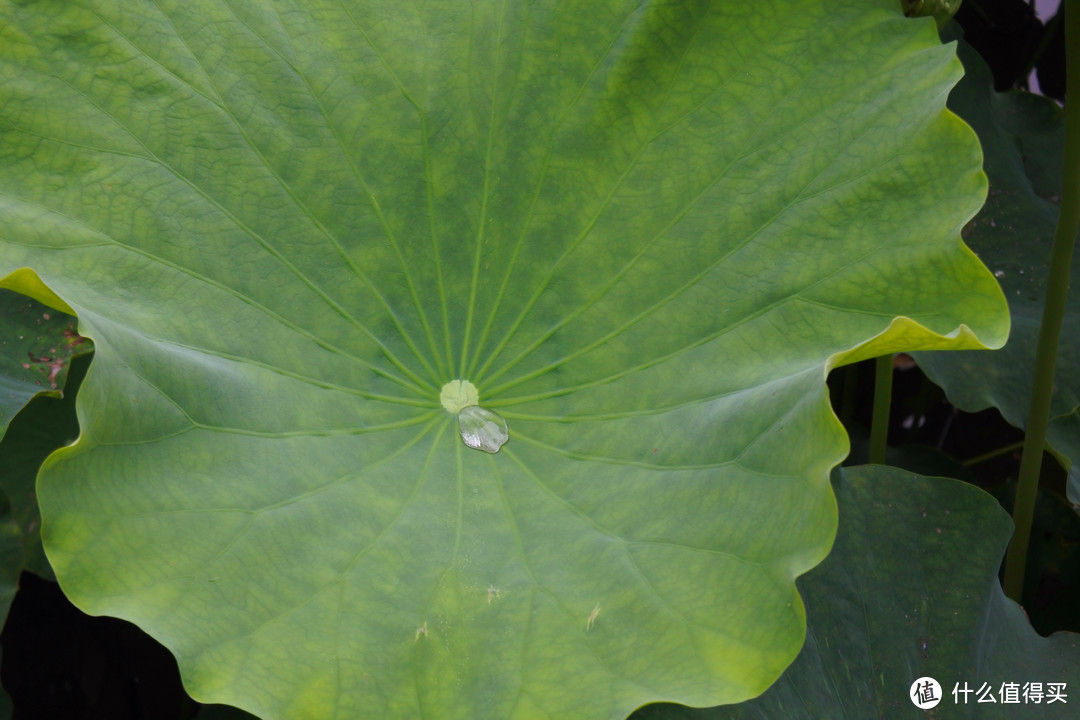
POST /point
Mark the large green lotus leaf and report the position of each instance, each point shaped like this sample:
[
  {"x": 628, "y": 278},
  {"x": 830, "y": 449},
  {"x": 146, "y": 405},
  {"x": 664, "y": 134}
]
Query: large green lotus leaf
[
  {"x": 1022, "y": 137},
  {"x": 911, "y": 590},
  {"x": 645, "y": 231},
  {"x": 222, "y": 712},
  {"x": 36, "y": 345}
]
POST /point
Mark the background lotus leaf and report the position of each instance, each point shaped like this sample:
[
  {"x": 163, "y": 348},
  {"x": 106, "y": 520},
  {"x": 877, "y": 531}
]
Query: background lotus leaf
[
  {"x": 36, "y": 346},
  {"x": 910, "y": 590},
  {"x": 1022, "y": 136},
  {"x": 45, "y": 424},
  {"x": 645, "y": 231}
]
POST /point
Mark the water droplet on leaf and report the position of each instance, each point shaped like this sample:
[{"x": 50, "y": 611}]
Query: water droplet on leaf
[{"x": 482, "y": 429}]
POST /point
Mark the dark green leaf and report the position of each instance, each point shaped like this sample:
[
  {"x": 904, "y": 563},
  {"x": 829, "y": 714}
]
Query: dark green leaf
[
  {"x": 1022, "y": 137},
  {"x": 910, "y": 590},
  {"x": 36, "y": 345}
]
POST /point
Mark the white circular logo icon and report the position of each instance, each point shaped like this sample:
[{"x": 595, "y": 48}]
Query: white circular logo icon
[{"x": 925, "y": 693}]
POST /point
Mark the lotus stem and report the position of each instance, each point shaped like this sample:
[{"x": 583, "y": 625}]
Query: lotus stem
[
  {"x": 1057, "y": 287},
  {"x": 879, "y": 423}
]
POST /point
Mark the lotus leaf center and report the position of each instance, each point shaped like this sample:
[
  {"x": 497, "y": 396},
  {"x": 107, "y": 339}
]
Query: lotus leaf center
[{"x": 457, "y": 395}]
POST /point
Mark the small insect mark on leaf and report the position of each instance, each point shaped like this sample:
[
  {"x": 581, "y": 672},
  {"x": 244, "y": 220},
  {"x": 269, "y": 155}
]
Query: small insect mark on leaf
[{"x": 592, "y": 617}]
